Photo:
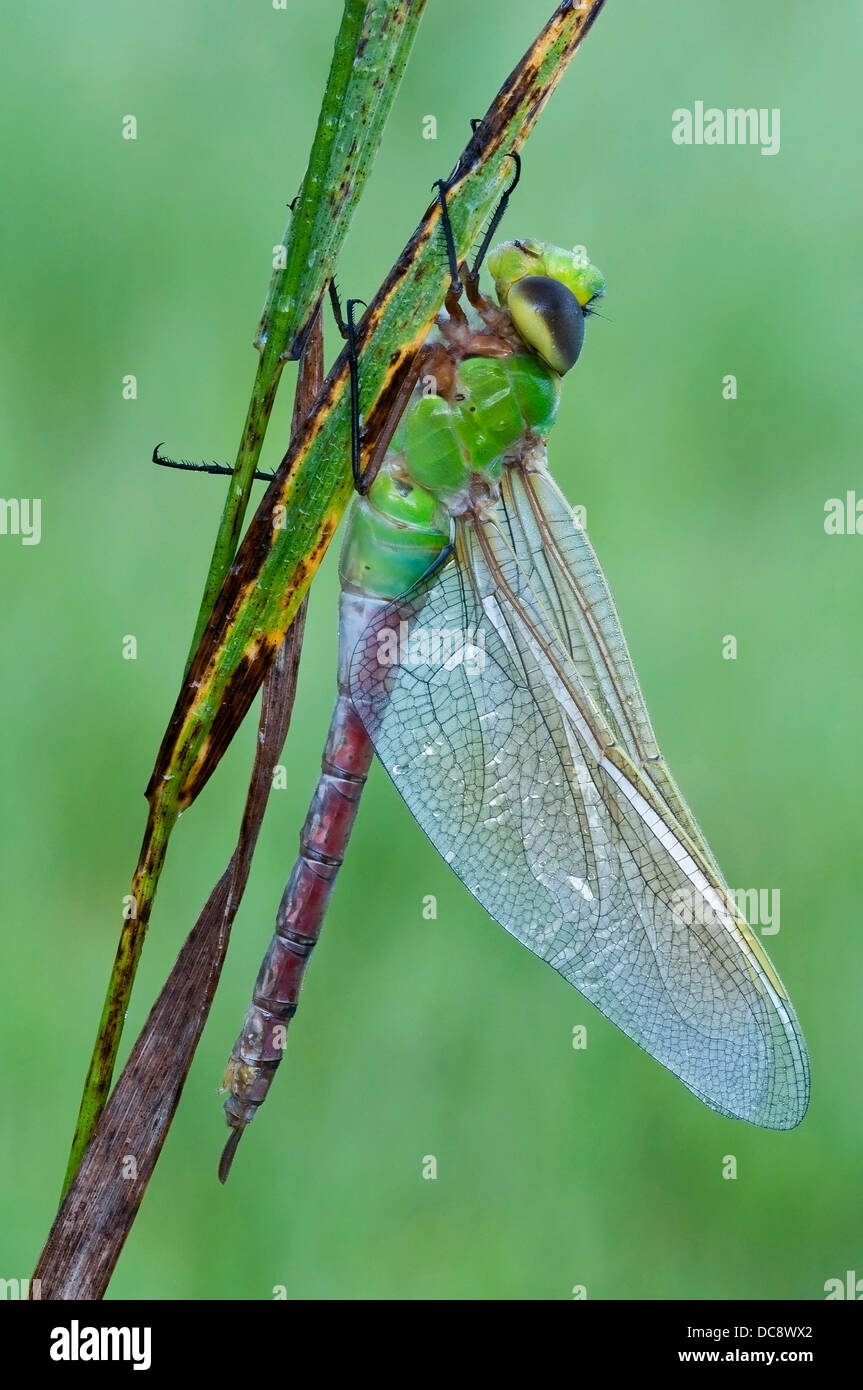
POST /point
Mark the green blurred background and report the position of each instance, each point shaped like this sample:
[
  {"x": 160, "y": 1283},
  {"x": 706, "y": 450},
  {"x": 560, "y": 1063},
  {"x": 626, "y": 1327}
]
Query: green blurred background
[{"x": 555, "y": 1167}]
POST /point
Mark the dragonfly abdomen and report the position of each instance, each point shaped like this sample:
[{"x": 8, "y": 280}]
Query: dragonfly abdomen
[{"x": 323, "y": 841}]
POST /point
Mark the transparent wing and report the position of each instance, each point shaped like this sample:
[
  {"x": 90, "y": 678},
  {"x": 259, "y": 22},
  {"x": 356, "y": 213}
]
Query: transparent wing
[{"x": 502, "y": 701}]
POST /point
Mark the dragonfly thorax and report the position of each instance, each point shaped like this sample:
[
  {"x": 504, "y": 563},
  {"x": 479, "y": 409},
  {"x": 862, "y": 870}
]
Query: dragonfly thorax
[
  {"x": 446, "y": 460},
  {"x": 455, "y": 446}
]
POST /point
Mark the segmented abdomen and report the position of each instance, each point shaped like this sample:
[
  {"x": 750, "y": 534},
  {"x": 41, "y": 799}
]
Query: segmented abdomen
[{"x": 323, "y": 841}]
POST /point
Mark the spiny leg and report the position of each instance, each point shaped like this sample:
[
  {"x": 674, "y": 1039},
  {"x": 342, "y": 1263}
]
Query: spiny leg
[
  {"x": 451, "y": 302},
  {"x": 347, "y": 328},
  {"x": 431, "y": 357},
  {"x": 463, "y": 273},
  {"x": 472, "y": 277},
  {"x": 455, "y": 285},
  {"x": 457, "y": 330},
  {"x": 187, "y": 466}
]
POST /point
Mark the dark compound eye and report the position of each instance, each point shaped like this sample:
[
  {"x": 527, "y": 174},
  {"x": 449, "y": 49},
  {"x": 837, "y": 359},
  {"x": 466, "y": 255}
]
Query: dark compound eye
[{"x": 549, "y": 318}]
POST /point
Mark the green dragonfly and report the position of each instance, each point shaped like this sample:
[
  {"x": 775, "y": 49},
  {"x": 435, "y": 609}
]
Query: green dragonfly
[{"x": 482, "y": 658}]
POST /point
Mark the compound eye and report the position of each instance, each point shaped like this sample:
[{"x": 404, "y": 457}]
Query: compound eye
[{"x": 549, "y": 318}]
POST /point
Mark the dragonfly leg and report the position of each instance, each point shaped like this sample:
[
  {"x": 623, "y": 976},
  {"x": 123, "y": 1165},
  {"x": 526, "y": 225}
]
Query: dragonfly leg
[
  {"x": 455, "y": 286},
  {"x": 495, "y": 318},
  {"x": 431, "y": 359},
  {"x": 187, "y": 466},
  {"x": 347, "y": 328},
  {"x": 463, "y": 277},
  {"x": 472, "y": 276},
  {"x": 336, "y": 306}
]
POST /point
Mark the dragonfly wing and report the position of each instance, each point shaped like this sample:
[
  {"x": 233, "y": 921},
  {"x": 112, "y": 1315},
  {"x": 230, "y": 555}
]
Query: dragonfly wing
[
  {"x": 506, "y": 711},
  {"x": 558, "y": 572}
]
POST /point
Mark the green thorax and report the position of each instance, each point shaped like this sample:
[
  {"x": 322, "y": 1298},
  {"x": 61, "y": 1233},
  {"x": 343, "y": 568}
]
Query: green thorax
[
  {"x": 496, "y": 403},
  {"x": 394, "y": 535},
  {"x": 440, "y": 451}
]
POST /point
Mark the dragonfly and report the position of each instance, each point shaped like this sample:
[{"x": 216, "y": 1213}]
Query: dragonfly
[{"x": 481, "y": 658}]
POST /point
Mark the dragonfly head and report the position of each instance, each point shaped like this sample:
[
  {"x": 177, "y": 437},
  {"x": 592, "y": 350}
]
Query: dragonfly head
[{"x": 547, "y": 291}]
